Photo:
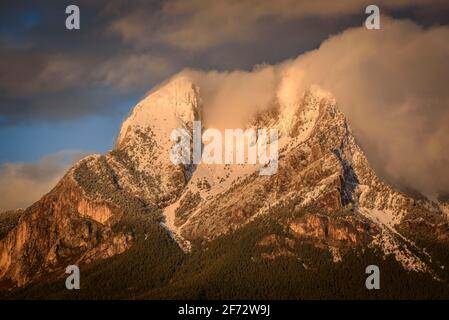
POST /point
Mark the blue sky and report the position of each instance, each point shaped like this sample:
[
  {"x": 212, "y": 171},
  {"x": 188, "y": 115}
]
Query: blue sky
[{"x": 33, "y": 141}]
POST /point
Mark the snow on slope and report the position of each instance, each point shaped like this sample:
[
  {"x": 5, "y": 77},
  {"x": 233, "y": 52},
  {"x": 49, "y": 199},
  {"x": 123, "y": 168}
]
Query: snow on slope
[
  {"x": 171, "y": 106},
  {"x": 388, "y": 240}
]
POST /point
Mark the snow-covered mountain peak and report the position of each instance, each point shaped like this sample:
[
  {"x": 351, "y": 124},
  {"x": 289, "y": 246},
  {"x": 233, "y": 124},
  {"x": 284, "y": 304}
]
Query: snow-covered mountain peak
[{"x": 175, "y": 104}]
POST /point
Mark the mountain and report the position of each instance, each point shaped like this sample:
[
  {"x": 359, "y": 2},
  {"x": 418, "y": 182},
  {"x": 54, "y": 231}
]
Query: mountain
[{"x": 141, "y": 227}]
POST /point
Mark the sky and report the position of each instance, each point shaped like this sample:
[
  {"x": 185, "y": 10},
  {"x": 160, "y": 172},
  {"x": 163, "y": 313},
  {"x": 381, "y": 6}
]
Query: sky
[{"x": 64, "y": 93}]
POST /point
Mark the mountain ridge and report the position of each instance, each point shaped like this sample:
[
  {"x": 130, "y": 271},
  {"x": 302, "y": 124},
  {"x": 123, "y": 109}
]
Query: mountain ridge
[{"x": 83, "y": 219}]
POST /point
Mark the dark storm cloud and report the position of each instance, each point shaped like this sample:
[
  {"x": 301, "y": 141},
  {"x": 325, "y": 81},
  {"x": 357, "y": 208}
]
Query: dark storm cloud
[
  {"x": 199, "y": 24},
  {"x": 49, "y": 73},
  {"x": 64, "y": 105},
  {"x": 126, "y": 47}
]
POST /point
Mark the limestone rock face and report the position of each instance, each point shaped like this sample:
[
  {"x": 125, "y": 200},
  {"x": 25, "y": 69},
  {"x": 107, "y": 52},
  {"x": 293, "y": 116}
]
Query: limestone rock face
[{"x": 53, "y": 232}]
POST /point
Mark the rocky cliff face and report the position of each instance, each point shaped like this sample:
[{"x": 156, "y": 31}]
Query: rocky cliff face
[
  {"x": 64, "y": 227},
  {"x": 321, "y": 171}
]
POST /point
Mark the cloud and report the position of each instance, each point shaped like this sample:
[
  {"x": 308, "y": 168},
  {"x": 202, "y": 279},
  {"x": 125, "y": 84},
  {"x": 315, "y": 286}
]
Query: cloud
[
  {"x": 197, "y": 25},
  {"x": 25, "y": 77},
  {"x": 67, "y": 87},
  {"x": 231, "y": 98},
  {"x": 391, "y": 84},
  {"x": 134, "y": 71},
  {"x": 23, "y": 183}
]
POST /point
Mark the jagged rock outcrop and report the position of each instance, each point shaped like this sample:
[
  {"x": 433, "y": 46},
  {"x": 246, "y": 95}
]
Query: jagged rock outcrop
[{"x": 334, "y": 230}]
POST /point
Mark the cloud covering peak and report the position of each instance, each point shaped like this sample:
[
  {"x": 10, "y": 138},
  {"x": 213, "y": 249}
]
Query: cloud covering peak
[{"x": 391, "y": 84}]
